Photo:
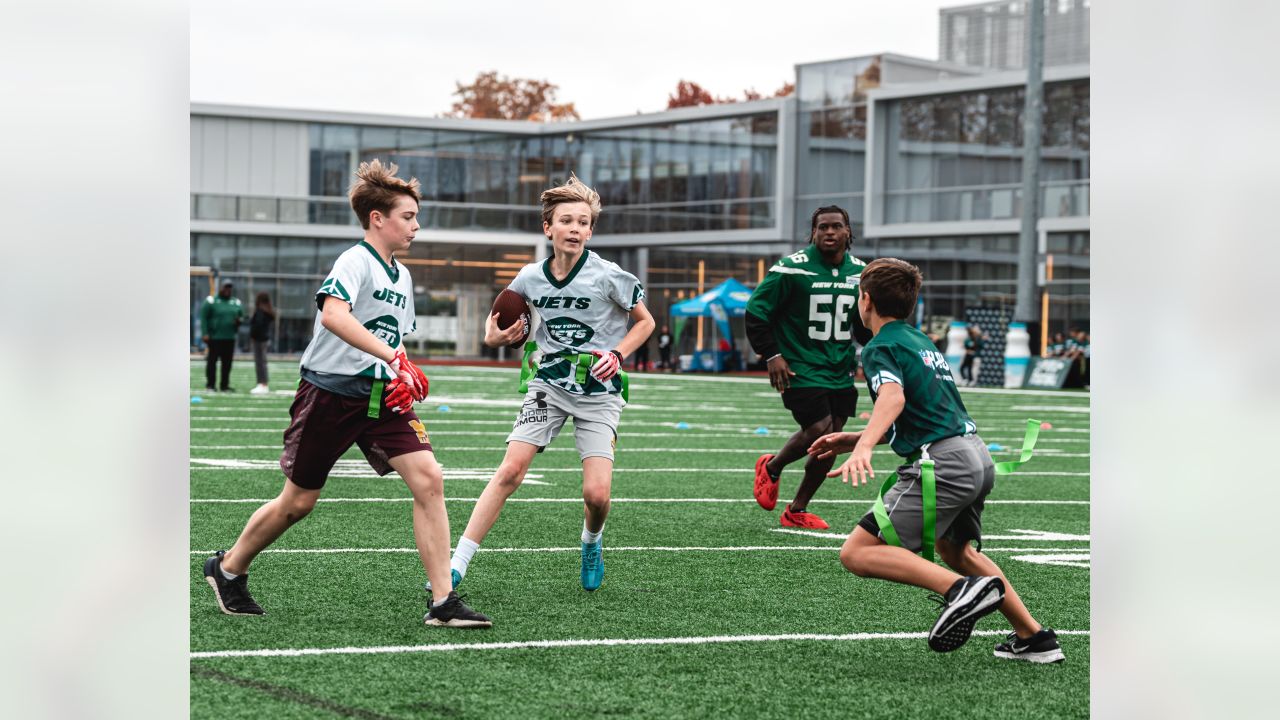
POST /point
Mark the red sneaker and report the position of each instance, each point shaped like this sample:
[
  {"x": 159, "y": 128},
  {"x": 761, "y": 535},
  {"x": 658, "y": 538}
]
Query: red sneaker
[
  {"x": 766, "y": 490},
  {"x": 802, "y": 519}
]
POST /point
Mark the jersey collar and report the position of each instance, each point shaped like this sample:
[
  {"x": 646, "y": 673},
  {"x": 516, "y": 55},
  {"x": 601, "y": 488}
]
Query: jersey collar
[
  {"x": 558, "y": 284},
  {"x": 393, "y": 271}
]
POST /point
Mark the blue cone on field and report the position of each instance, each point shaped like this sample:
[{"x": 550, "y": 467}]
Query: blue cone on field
[
  {"x": 682, "y": 425},
  {"x": 443, "y": 408},
  {"x": 994, "y": 447},
  {"x": 197, "y": 399},
  {"x": 762, "y": 431}
]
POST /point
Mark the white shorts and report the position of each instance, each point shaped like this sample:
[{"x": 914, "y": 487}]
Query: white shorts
[{"x": 546, "y": 407}]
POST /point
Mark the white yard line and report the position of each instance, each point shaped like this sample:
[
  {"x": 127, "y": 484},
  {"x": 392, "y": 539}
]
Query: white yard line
[
  {"x": 470, "y": 473},
  {"x": 608, "y": 549},
  {"x": 234, "y": 501},
  {"x": 601, "y": 642}
]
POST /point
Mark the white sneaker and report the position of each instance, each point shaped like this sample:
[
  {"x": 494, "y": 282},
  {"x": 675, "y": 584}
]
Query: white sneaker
[{"x": 259, "y": 390}]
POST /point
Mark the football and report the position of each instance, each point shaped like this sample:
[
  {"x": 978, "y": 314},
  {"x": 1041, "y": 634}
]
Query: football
[{"x": 512, "y": 308}]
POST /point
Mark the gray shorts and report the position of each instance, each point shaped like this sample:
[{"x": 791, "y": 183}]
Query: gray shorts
[
  {"x": 964, "y": 475},
  {"x": 546, "y": 407}
]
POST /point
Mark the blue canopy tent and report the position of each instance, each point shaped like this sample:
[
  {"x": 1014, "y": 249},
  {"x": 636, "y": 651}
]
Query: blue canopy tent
[{"x": 726, "y": 300}]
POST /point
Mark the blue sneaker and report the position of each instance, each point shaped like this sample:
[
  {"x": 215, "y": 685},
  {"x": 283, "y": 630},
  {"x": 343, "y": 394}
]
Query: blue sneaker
[
  {"x": 592, "y": 566},
  {"x": 457, "y": 579}
]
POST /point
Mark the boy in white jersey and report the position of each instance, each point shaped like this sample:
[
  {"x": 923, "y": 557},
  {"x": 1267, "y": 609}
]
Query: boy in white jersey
[
  {"x": 358, "y": 387},
  {"x": 584, "y": 303}
]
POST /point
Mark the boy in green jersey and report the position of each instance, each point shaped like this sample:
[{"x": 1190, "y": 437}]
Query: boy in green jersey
[
  {"x": 918, "y": 412},
  {"x": 801, "y": 319}
]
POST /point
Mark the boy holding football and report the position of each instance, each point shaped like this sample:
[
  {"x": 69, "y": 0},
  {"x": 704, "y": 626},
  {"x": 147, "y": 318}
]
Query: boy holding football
[
  {"x": 584, "y": 302},
  {"x": 919, "y": 413},
  {"x": 358, "y": 387}
]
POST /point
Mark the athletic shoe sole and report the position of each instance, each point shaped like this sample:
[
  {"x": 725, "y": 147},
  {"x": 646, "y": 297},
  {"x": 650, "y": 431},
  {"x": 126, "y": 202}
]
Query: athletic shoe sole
[
  {"x": 814, "y": 522},
  {"x": 458, "y": 623},
  {"x": 955, "y": 625},
  {"x": 210, "y": 567},
  {"x": 1040, "y": 658}
]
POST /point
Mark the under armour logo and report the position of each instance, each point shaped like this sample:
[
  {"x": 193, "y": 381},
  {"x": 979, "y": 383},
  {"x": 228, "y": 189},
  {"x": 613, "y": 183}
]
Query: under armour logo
[{"x": 538, "y": 398}]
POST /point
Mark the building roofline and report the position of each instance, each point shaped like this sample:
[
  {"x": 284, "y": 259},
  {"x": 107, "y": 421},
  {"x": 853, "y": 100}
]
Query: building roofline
[
  {"x": 936, "y": 64},
  {"x": 511, "y": 127},
  {"x": 986, "y": 81}
]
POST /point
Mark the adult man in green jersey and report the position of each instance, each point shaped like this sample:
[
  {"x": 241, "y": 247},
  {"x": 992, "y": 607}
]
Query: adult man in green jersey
[
  {"x": 220, "y": 318},
  {"x": 918, "y": 412},
  {"x": 802, "y": 319}
]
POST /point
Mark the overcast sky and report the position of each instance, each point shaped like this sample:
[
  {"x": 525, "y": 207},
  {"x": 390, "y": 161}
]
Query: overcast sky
[{"x": 609, "y": 58}]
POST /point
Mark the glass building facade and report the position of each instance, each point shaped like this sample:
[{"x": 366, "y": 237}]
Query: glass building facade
[{"x": 924, "y": 157}]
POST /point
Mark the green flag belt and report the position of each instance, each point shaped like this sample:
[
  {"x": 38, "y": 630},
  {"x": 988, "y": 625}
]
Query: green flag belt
[
  {"x": 929, "y": 492},
  {"x": 582, "y": 363}
]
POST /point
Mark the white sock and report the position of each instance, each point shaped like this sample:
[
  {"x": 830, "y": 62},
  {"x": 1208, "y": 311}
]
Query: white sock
[
  {"x": 591, "y": 537},
  {"x": 438, "y": 603},
  {"x": 462, "y": 555},
  {"x": 226, "y": 574}
]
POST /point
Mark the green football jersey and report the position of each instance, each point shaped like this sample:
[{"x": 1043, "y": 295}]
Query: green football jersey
[
  {"x": 902, "y": 354},
  {"x": 811, "y": 306}
]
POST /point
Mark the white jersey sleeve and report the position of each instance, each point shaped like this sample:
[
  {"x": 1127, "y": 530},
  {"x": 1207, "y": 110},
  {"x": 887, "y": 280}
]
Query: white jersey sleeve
[
  {"x": 623, "y": 287},
  {"x": 350, "y": 272}
]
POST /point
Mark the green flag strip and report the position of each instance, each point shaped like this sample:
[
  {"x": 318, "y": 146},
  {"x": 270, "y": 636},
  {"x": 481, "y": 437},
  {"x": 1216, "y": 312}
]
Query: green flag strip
[
  {"x": 929, "y": 493},
  {"x": 582, "y": 364},
  {"x": 375, "y": 398}
]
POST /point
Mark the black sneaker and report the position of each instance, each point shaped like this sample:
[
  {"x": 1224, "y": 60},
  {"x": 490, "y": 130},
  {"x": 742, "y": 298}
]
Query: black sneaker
[
  {"x": 233, "y": 595},
  {"x": 1039, "y": 648},
  {"x": 455, "y": 614},
  {"x": 968, "y": 600}
]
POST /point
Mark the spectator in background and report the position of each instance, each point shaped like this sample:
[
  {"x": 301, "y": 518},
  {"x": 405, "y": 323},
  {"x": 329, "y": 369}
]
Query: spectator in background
[
  {"x": 971, "y": 366},
  {"x": 664, "y": 349},
  {"x": 1057, "y": 346},
  {"x": 220, "y": 318},
  {"x": 260, "y": 336}
]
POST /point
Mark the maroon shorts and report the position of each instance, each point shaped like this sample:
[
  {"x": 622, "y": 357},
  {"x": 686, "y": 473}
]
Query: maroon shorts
[{"x": 325, "y": 425}]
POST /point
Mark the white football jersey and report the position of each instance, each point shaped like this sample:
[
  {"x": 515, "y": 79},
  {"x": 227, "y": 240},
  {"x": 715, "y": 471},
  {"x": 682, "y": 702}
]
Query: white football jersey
[
  {"x": 381, "y": 298},
  {"x": 586, "y": 311}
]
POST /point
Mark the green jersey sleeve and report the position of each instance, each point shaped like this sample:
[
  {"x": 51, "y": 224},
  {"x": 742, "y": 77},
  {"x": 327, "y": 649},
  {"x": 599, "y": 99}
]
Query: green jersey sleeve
[{"x": 880, "y": 367}]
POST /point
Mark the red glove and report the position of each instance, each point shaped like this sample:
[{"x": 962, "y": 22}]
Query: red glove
[
  {"x": 607, "y": 365},
  {"x": 398, "y": 398},
  {"x": 410, "y": 375}
]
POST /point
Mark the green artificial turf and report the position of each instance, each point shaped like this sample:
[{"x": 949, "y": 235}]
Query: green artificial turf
[{"x": 673, "y": 570}]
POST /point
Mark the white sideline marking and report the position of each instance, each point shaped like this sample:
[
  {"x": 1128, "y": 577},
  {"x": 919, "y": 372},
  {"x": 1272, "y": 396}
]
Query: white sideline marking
[
  {"x": 769, "y": 441},
  {"x": 619, "y": 500},
  {"x": 695, "y": 431},
  {"x": 603, "y": 642},
  {"x": 1051, "y": 408},
  {"x": 485, "y": 474},
  {"x": 1030, "y": 535},
  {"x": 1039, "y": 535},
  {"x": 578, "y": 548},
  {"x": 1077, "y": 559}
]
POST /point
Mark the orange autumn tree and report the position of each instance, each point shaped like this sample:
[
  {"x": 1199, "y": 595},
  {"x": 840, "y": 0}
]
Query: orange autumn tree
[{"x": 495, "y": 96}]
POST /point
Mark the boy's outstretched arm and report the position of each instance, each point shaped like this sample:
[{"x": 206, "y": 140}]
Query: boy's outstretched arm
[
  {"x": 889, "y": 403},
  {"x": 834, "y": 444}
]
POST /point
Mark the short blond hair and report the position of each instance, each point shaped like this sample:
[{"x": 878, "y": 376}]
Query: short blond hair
[
  {"x": 573, "y": 191},
  {"x": 377, "y": 187}
]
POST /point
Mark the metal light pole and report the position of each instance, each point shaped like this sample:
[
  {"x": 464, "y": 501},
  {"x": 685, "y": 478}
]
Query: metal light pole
[{"x": 1024, "y": 310}]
